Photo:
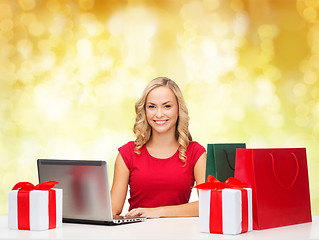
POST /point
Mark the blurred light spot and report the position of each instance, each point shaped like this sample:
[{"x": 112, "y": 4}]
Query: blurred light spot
[
  {"x": 310, "y": 14},
  {"x": 302, "y": 109},
  {"x": 310, "y": 77},
  {"x": 220, "y": 28},
  {"x": 274, "y": 105},
  {"x": 25, "y": 47},
  {"x": 266, "y": 45},
  {"x": 6, "y": 24},
  {"x": 53, "y": 5},
  {"x": 58, "y": 26},
  {"x": 27, "y": 4},
  {"x": 273, "y": 73},
  {"x": 265, "y": 90},
  {"x": 315, "y": 93},
  {"x": 24, "y": 74},
  {"x": 89, "y": 120},
  {"x": 44, "y": 45},
  {"x": 315, "y": 111},
  {"x": 86, "y": 4},
  {"x": 64, "y": 148},
  {"x": 311, "y": 3},
  {"x": 256, "y": 141},
  {"x": 28, "y": 18},
  {"x": 36, "y": 28},
  {"x": 315, "y": 130},
  {"x": 103, "y": 45},
  {"x": 276, "y": 121},
  {"x": 241, "y": 73},
  {"x": 91, "y": 24},
  {"x": 240, "y": 24},
  {"x": 51, "y": 102},
  {"x": 209, "y": 48},
  {"x": 106, "y": 62},
  {"x": 84, "y": 47},
  {"x": 193, "y": 11},
  {"x": 5, "y": 10},
  {"x": 211, "y": 4},
  {"x": 8, "y": 35},
  {"x": 237, "y": 5},
  {"x": 236, "y": 114},
  {"x": 230, "y": 62},
  {"x": 140, "y": 27},
  {"x": 116, "y": 24},
  {"x": 268, "y": 31},
  {"x": 44, "y": 63},
  {"x": 299, "y": 89},
  {"x": 28, "y": 149},
  {"x": 301, "y": 121}
]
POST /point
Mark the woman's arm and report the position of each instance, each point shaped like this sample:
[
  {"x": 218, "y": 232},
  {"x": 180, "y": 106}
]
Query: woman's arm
[
  {"x": 183, "y": 210},
  {"x": 120, "y": 185}
]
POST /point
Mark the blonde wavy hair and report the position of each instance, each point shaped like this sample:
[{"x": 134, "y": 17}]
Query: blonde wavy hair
[{"x": 143, "y": 130}]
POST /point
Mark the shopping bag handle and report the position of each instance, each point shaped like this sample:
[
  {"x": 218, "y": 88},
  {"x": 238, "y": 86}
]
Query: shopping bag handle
[
  {"x": 231, "y": 167},
  {"x": 276, "y": 177}
]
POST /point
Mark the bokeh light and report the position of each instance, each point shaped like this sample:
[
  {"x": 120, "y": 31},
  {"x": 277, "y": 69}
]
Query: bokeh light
[{"x": 71, "y": 72}]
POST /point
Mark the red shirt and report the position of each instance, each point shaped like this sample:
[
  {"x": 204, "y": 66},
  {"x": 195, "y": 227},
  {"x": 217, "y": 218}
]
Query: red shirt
[{"x": 158, "y": 182}]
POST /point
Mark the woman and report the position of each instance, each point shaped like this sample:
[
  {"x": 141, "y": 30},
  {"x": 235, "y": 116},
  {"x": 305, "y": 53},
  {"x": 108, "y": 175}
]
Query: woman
[{"x": 161, "y": 165}]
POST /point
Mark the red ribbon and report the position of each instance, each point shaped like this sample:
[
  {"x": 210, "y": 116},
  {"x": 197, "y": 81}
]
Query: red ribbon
[
  {"x": 24, "y": 202},
  {"x": 216, "y": 187}
]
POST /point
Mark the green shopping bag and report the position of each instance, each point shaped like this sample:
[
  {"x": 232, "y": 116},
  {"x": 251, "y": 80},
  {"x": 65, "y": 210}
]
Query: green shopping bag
[{"x": 220, "y": 161}]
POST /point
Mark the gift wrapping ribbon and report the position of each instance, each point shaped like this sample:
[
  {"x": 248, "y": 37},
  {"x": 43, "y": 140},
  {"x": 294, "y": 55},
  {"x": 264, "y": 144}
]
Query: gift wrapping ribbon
[
  {"x": 216, "y": 187},
  {"x": 23, "y": 207}
]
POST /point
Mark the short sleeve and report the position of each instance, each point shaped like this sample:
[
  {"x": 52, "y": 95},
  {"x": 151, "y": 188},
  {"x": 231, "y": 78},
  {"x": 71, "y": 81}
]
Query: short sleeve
[
  {"x": 127, "y": 152},
  {"x": 195, "y": 151}
]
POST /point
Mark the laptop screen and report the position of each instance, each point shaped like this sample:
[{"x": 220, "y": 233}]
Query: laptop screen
[{"x": 85, "y": 184}]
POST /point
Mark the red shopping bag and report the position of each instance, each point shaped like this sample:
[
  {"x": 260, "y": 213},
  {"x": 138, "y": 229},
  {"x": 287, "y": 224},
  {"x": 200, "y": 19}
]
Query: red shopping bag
[{"x": 279, "y": 181}]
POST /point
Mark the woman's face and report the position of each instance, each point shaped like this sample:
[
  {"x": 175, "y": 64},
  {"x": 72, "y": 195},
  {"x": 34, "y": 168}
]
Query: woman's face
[{"x": 161, "y": 110}]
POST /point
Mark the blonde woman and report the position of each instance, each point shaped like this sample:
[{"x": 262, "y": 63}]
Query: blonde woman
[{"x": 161, "y": 165}]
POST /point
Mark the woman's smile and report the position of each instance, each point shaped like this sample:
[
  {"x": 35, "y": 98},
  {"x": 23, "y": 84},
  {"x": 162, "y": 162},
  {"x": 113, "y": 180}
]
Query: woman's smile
[{"x": 160, "y": 122}]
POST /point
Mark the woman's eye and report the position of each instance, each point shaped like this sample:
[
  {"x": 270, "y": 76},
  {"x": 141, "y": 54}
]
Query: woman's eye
[
  {"x": 151, "y": 106},
  {"x": 167, "y": 106}
]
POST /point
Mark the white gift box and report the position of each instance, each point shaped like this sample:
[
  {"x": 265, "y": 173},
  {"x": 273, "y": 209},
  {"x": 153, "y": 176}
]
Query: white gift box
[
  {"x": 231, "y": 210},
  {"x": 38, "y": 209}
]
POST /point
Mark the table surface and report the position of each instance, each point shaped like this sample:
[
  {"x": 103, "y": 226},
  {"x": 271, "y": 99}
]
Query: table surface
[{"x": 162, "y": 228}]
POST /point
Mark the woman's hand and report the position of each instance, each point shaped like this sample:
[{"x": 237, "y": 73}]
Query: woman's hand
[{"x": 146, "y": 212}]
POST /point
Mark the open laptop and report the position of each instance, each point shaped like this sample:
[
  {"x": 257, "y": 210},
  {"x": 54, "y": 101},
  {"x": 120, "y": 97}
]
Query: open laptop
[{"x": 86, "y": 191}]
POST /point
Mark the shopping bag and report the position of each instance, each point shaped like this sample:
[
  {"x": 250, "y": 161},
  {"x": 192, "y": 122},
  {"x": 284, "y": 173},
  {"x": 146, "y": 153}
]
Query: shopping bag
[
  {"x": 280, "y": 185},
  {"x": 220, "y": 161}
]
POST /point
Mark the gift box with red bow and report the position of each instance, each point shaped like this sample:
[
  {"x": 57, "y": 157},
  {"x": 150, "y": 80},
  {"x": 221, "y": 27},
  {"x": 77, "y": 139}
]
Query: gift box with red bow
[
  {"x": 35, "y": 207},
  {"x": 225, "y": 207}
]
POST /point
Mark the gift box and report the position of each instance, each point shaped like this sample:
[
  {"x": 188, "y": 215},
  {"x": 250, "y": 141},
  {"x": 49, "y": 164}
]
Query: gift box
[
  {"x": 35, "y": 207},
  {"x": 225, "y": 208}
]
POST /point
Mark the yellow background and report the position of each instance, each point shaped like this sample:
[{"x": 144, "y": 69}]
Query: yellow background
[{"x": 71, "y": 71}]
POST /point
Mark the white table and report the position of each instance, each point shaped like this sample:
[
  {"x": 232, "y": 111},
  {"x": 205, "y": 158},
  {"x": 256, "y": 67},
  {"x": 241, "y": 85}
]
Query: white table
[{"x": 164, "y": 228}]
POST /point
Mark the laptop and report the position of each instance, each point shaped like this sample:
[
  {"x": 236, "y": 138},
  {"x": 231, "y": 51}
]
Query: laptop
[{"x": 86, "y": 191}]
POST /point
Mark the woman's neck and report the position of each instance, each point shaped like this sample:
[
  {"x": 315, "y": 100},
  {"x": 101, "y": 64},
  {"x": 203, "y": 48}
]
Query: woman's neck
[
  {"x": 162, "y": 145},
  {"x": 163, "y": 139}
]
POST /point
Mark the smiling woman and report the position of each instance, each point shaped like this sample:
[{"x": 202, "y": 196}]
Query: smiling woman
[
  {"x": 142, "y": 128},
  {"x": 162, "y": 164}
]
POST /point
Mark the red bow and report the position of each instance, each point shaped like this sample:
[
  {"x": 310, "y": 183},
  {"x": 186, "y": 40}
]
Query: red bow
[
  {"x": 27, "y": 186},
  {"x": 214, "y": 184}
]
